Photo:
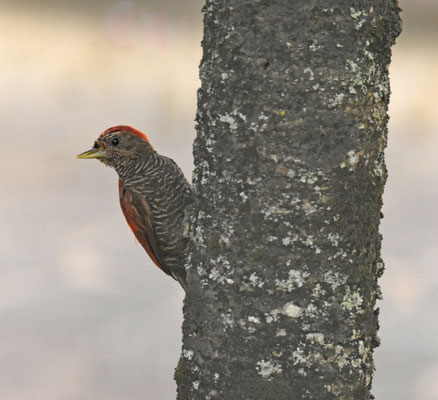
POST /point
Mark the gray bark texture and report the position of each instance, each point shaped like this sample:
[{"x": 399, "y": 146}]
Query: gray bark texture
[{"x": 289, "y": 175}]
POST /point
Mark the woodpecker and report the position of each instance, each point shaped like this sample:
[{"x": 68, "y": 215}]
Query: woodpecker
[{"x": 154, "y": 196}]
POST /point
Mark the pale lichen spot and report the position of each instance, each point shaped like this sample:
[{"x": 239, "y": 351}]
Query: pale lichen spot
[
  {"x": 355, "y": 13},
  {"x": 378, "y": 168},
  {"x": 355, "y": 334},
  {"x": 360, "y": 16},
  {"x": 361, "y": 348},
  {"x": 215, "y": 275},
  {"x": 209, "y": 143},
  {"x": 308, "y": 207},
  {"x": 309, "y": 241},
  {"x": 268, "y": 368},
  {"x": 188, "y": 354},
  {"x": 315, "y": 46},
  {"x": 309, "y": 71},
  {"x": 299, "y": 357},
  {"x": 292, "y": 310},
  {"x": 315, "y": 338},
  {"x": 201, "y": 270},
  {"x": 263, "y": 117},
  {"x": 291, "y": 173},
  {"x": 295, "y": 279},
  {"x": 311, "y": 310},
  {"x": 336, "y": 100},
  {"x": 228, "y": 119},
  {"x": 272, "y": 316},
  {"x": 369, "y": 54},
  {"x": 228, "y": 320},
  {"x": 352, "y": 300},
  {"x": 317, "y": 291},
  {"x": 333, "y": 238},
  {"x": 269, "y": 318},
  {"x": 334, "y": 279},
  {"x": 353, "y": 158},
  {"x": 243, "y": 196},
  {"x": 255, "y": 281},
  {"x": 289, "y": 240}
]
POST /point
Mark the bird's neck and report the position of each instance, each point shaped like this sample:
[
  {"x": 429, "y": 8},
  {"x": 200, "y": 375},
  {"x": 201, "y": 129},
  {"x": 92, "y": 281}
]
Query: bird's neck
[{"x": 135, "y": 169}]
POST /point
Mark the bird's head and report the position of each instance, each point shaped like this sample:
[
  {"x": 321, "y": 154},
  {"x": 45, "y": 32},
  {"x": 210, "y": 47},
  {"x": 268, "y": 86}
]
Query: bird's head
[{"x": 118, "y": 144}]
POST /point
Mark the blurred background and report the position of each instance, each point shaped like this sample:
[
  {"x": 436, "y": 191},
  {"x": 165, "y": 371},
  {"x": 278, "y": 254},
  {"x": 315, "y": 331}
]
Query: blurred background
[{"x": 83, "y": 313}]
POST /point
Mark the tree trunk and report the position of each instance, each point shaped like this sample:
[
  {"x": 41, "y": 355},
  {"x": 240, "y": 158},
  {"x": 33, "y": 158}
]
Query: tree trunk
[{"x": 289, "y": 175}]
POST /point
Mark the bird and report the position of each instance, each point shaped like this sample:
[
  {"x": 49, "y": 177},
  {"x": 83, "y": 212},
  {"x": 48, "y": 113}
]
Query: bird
[{"x": 155, "y": 197}]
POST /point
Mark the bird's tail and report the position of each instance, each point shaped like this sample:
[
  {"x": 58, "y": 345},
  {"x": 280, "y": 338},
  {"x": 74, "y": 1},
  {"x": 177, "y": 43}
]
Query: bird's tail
[{"x": 183, "y": 282}]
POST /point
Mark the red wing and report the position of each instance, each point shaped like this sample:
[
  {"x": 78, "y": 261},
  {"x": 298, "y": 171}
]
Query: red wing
[{"x": 138, "y": 215}]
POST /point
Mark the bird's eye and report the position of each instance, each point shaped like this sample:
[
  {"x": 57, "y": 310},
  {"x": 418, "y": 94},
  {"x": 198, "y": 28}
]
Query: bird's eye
[{"x": 115, "y": 141}]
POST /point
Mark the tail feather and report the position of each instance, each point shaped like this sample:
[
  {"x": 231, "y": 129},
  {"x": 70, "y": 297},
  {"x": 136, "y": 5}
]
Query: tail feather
[{"x": 182, "y": 281}]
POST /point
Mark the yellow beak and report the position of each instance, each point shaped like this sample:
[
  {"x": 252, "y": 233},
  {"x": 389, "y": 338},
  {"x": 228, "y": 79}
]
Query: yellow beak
[{"x": 95, "y": 152}]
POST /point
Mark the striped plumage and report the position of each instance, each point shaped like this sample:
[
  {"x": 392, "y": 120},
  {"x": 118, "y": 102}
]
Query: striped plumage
[{"x": 154, "y": 196}]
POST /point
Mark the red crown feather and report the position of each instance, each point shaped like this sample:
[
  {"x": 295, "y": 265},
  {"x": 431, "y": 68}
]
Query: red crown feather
[{"x": 127, "y": 129}]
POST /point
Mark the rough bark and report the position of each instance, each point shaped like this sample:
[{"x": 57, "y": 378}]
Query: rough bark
[{"x": 289, "y": 175}]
